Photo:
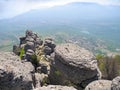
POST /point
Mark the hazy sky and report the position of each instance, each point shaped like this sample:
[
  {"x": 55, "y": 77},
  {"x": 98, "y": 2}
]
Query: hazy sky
[{"x": 11, "y": 8}]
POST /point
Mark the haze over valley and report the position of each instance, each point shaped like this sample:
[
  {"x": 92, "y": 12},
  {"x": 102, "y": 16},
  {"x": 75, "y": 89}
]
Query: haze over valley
[{"x": 95, "y": 24}]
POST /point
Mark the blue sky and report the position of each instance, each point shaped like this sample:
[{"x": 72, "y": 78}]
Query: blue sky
[{"x": 11, "y": 8}]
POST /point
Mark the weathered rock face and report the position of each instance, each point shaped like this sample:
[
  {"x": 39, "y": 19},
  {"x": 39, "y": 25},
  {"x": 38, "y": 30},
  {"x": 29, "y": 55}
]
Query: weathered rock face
[
  {"x": 40, "y": 79},
  {"x": 15, "y": 75},
  {"x": 100, "y": 85},
  {"x": 73, "y": 64},
  {"x": 31, "y": 40},
  {"x": 29, "y": 43},
  {"x": 16, "y": 49},
  {"x": 115, "y": 83},
  {"x": 55, "y": 87},
  {"x": 49, "y": 46}
]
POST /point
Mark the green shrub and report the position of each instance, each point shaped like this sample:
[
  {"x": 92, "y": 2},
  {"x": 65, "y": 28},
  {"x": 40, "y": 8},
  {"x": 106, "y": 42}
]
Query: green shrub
[
  {"x": 22, "y": 52},
  {"x": 109, "y": 66}
]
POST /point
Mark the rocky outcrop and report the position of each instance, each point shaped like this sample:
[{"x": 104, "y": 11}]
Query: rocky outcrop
[
  {"x": 49, "y": 46},
  {"x": 29, "y": 43},
  {"x": 55, "y": 87},
  {"x": 100, "y": 85},
  {"x": 115, "y": 83},
  {"x": 14, "y": 74},
  {"x": 40, "y": 79},
  {"x": 73, "y": 65}
]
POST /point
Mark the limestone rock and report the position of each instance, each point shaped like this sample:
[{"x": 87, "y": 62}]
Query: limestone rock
[
  {"x": 29, "y": 54},
  {"x": 29, "y": 45},
  {"x": 99, "y": 85},
  {"x": 49, "y": 46},
  {"x": 42, "y": 68},
  {"x": 47, "y": 50},
  {"x": 22, "y": 40},
  {"x": 116, "y": 83},
  {"x": 29, "y": 33},
  {"x": 55, "y": 87},
  {"x": 15, "y": 75},
  {"x": 73, "y": 64},
  {"x": 29, "y": 41},
  {"x": 16, "y": 49},
  {"x": 38, "y": 42},
  {"x": 40, "y": 79}
]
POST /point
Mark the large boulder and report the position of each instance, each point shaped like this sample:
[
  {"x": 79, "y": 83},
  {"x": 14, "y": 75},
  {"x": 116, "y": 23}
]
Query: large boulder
[
  {"x": 73, "y": 65},
  {"x": 99, "y": 85},
  {"x": 116, "y": 83},
  {"x": 55, "y": 87},
  {"x": 14, "y": 74}
]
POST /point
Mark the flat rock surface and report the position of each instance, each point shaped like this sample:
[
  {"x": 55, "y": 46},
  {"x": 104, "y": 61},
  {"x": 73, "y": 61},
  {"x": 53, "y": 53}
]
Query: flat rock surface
[
  {"x": 76, "y": 56},
  {"x": 99, "y": 85},
  {"x": 56, "y": 87}
]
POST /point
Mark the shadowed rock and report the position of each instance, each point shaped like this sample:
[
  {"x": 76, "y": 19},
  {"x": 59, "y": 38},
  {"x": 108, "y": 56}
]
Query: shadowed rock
[
  {"x": 29, "y": 45},
  {"x": 22, "y": 40},
  {"x": 16, "y": 49},
  {"x": 15, "y": 75}
]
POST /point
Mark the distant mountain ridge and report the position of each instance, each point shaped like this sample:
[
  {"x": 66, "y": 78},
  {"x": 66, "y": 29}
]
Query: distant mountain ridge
[{"x": 76, "y": 10}]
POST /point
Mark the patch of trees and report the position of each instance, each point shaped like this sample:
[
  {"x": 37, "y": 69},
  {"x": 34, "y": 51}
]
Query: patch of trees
[{"x": 109, "y": 66}]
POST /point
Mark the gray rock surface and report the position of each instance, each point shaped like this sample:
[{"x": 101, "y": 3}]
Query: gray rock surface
[
  {"x": 116, "y": 83},
  {"x": 99, "y": 85},
  {"x": 55, "y": 87},
  {"x": 38, "y": 42},
  {"x": 22, "y": 40},
  {"x": 29, "y": 45},
  {"x": 49, "y": 46},
  {"x": 14, "y": 74},
  {"x": 29, "y": 53},
  {"x": 29, "y": 42},
  {"x": 73, "y": 64},
  {"x": 40, "y": 79},
  {"x": 16, "y": 49},
  {"x": 47, "y": 50},
  {"x": 42, "y": 68}
]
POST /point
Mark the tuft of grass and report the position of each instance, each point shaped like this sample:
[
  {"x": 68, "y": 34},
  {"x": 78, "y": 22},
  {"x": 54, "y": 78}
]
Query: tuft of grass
[{"x": 22, "y": 52}]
